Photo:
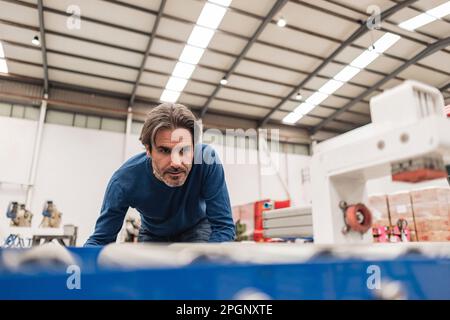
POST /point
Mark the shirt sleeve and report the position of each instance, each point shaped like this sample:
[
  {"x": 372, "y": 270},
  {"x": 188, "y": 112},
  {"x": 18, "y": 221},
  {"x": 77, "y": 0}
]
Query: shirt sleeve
[
  {"x": 218, "y": 208},
  {"x": 113, "y": 211}
]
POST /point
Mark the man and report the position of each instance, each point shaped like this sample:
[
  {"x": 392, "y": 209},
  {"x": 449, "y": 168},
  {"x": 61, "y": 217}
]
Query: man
[{"x": 179, "y": 199}]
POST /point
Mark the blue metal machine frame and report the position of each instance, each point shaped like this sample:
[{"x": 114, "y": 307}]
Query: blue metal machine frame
[{"x": 324, "y": 277}]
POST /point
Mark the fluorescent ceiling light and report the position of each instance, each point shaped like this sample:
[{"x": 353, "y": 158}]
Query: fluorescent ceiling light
[
  {"x": 346, "y": 74},
  {"x": 316, "y": 98},
  {"x": 211, "y": 16},
  {"x": 225, "y": 3},
  {"x": 183, "y": 70},
  {"x": 440, "y": 11},
  {"x": 3, "y": 66},
  {"x": 331, "y": 86},
  {"x": 2, "y": 52},
  {"x": 364, "y": 59},
  {"x": 176, "y": 84},
  {"x": 385, "y": 42},
  {"x": 191, "y": 54},
  {"x": 426, "y": 17},
  {"x": 417, "y": 22},
  {"x": 381, "y": 45},
  {"x": 170, "y": 96},
  {"x": 292, "y": 118},
  {"x": 304, "y": 108},
  {"x": 200, "y": 36}
]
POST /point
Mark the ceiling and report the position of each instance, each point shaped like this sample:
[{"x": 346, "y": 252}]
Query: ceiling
[{"x": 107, "y": 51}]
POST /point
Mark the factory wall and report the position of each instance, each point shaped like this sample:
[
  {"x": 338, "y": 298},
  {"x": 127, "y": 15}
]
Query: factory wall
[{"x": 75, "y": 165}]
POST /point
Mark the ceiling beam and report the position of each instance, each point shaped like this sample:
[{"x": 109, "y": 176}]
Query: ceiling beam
[
  {"x": 129, "y": 82},
  {"x": 130, "y": 50},
  {"x": 147, "y": 51},
  {"x": 102, "y": 110},
  {"x": 358, "y": 33},
  {"x": 19, "y": 25},
  {"x": 276, "y": 7},
  {"x": 445, "y": 87},
  {"x": 236, "y": 35},
  {"x": 43, "y": 45},
  {"x": 150, "y": 71},
  {"x": 438, "y": 45}
]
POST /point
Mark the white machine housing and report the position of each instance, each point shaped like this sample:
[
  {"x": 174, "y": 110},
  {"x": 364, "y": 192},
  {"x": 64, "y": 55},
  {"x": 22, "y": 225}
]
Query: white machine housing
[{"x": 408, "y": 122}]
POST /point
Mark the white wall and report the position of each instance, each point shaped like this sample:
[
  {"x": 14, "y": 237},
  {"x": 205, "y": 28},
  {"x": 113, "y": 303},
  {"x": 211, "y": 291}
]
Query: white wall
[
  {"x": 244, "y": 181},
  {"x": 75, "y": 165}
]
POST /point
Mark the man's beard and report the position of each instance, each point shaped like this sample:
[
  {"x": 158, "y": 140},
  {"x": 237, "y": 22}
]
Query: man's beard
[{"x": 169, "y": 182}]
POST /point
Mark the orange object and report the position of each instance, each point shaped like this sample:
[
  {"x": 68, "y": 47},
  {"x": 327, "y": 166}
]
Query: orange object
[
  {"x": 353, "y": 217},
  {"x": 419, "y": 175}
]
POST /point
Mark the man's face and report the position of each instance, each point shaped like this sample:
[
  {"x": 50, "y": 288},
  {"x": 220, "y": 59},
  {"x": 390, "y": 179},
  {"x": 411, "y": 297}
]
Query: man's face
[{"x": 172, "y": 156}]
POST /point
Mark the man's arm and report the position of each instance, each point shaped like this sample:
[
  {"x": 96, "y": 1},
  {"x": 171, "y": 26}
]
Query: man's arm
[
  {"x": 111, "y": 217},
  {"x": 218, "y": 208}
]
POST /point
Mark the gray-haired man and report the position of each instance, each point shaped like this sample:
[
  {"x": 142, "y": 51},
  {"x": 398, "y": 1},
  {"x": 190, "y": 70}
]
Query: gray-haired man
[{"x": 179, "y": 200}]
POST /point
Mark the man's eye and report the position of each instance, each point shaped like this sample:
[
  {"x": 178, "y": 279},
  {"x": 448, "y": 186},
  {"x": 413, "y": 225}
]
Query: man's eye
[{"x": 164, "y": 150}]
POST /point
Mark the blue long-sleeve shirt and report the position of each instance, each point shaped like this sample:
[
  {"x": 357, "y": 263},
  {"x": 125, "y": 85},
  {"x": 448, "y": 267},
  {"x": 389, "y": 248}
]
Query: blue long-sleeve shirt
[{"x": 166, "y": 211}]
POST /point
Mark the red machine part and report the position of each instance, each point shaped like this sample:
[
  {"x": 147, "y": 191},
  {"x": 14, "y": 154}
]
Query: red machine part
[
  {"x": 282, "y": 204},
  {"x": 358, "y": 217},
  {"x": 447, "y": 110},
  {"x": 259, "y": 208},
  {"x": 419, "y": 175}
]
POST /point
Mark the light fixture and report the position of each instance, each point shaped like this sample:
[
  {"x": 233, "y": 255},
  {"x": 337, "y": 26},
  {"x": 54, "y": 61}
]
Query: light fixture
[
  {"x": 292, "y": 118},
  {"x": 417, "y": 22},
  {"x": 304, "y": 108},
  {"x": 281, "y": 22},
  {"x": 364, "y": 59},
  {"x": 210, "y": 18},
  {"x": 298, "y": 96},
  {"x": 316, "y": 98},
  {"x": 176, "y": 84},
  {"x": 2, "y": 52},
  {"x": 426, "y": 17},
  {"x": 200, "y": 37},
  {"x": 331, "y": 86},
  {"x": 224, "y": 81},
  {"x": 183, "y": 70},
  {"x": 211, "y": 15},
  {"x": 36, "y": 41},
  {"x": 385, "y": 42},
  {"x": 3, "y": 66},
  {"x": 225, "y": 3},
  {"x": 440, "y": 11},
  {"x": 346, "y": 74},
  {"x": 374, "y": 51},
  {"x": 191, "y": 54},
  {"x": 170, "y": 96}
]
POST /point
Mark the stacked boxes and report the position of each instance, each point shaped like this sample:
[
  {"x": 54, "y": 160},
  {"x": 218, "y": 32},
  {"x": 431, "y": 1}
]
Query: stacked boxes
[
  {"x": 379, "y": 208},
  {"x": 427, "y": 212},
  {"x": 432, "y": 213},
  {"x": 381, "y": 223},
  {"x": 400, "y": 207}
]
